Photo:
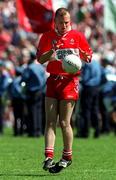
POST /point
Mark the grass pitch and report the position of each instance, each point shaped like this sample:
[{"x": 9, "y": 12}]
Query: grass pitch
[{"x": 21, "y": 158}]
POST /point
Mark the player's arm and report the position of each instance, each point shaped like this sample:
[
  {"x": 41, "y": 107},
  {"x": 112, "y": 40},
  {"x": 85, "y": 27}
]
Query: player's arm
[
  {"x": 46, "y": 57},
  {"x": 85, "y": 49},
  {"x": 85, "y": 55},
  {"x": 45, "y": 51}
]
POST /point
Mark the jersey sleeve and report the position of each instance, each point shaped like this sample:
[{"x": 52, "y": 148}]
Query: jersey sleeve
[
  {"x": 43, "y": 46},
  {"x": 84, "y": 46}
]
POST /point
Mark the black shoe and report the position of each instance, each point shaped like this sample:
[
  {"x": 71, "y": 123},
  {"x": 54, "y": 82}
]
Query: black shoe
[
  {"x": 60, "y": 166},
  {"x": 48, "y": 163}
]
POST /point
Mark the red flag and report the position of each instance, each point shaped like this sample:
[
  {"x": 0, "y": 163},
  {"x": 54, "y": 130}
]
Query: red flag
[{"x": 35, "y": 15}]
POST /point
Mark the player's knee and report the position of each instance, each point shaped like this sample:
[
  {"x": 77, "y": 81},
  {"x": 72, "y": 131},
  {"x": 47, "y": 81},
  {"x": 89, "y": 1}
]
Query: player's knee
[
  {"x": 64, "y": 124},
  {"x": 50, "y": 124}
]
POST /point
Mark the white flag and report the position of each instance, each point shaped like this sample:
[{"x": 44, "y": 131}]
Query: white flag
[
  {"x": 59, "y": 3},
  {"x": 110, "y": 15}
]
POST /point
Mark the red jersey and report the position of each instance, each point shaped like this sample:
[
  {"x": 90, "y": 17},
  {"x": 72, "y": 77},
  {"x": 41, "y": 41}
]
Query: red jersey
[{"x": 68, "y": 43}]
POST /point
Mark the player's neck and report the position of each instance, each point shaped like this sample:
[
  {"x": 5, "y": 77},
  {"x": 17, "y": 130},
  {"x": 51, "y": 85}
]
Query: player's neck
[{"x": 59, "y": 34}]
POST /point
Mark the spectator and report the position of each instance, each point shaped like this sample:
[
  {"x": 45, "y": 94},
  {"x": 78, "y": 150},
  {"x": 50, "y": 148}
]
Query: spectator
[
  {"x": 17, "y": 97},
  {"x": 89, "y": 105},
  {"x": 5, "y": 39},
  {"x": 35, "y": 79},
  {"x": 106, "y": 91},
  {"x": 5, "y": 79}
]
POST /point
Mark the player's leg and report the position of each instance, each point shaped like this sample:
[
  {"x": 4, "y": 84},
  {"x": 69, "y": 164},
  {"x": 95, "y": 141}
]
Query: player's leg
[
  {"x": 50, "y": 131},
  {"x": 66, "y": 110}
]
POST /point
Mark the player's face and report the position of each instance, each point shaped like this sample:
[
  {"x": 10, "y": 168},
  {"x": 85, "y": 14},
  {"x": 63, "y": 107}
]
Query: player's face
[{"x": 63, "y": 24}]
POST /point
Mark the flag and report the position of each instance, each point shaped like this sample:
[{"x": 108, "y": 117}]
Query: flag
[
  {"x": 60, "y": 3},
  {"x": 110, "y": 15},
  {"x": 35, "y": 15}
]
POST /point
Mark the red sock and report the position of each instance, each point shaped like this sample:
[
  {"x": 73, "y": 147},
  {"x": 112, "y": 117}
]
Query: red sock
[
  {"x": 49, "y": 152},
  {"x": 67, "y": 154}
]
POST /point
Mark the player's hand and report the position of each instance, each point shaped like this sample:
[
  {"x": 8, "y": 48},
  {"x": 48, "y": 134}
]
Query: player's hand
[
  {"x": 85, "y": 55},
  {"x": 55, "y": 47},
  {"x": 53, "y": 56}
]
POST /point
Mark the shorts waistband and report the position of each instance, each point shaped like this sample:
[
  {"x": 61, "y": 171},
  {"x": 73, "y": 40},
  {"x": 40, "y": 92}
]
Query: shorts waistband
[
  {"x": 55, "y": 76},
  {"x": 58, "y": 76}
]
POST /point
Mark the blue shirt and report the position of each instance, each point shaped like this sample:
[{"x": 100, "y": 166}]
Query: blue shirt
[
  {"x": 34, "y": 77},
  {"x": 5, "y": 80},
  {"x": 91, "y": 74},
  {"x": 16, "y": 89},
  {"x": 107, "y": 85}
]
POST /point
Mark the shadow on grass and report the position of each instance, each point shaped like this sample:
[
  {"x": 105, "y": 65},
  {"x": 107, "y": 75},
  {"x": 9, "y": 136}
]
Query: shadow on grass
[{"x": 27, "y": 175}]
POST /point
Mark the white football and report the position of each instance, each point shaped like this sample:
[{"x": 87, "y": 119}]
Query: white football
[{"x": 71, "y": 63}]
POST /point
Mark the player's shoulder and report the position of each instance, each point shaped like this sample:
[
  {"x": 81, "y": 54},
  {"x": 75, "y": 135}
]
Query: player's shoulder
[{"x": 76, "y": 32}]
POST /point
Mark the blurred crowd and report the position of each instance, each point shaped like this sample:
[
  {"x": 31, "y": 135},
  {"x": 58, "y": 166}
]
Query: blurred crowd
[{"x": 23, "y": 80}]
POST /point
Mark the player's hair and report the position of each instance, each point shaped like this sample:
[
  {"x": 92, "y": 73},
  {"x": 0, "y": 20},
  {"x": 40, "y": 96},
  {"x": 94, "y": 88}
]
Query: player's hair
[{"x": 61, "y": 12}]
